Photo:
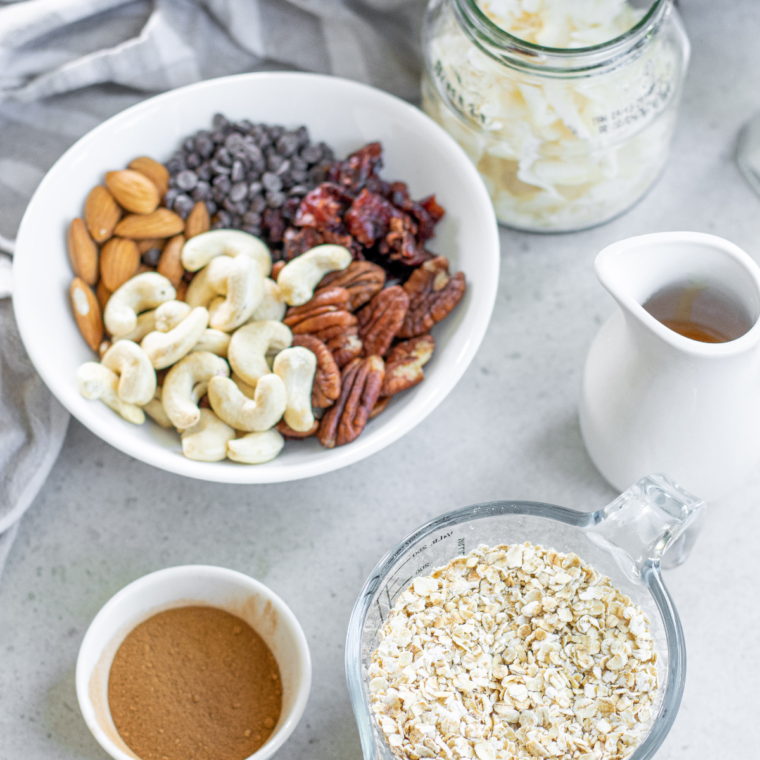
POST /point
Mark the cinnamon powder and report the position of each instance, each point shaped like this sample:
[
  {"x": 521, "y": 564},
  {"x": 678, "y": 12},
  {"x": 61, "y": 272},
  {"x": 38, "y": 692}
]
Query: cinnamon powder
[{"x": 194, "y": 683}]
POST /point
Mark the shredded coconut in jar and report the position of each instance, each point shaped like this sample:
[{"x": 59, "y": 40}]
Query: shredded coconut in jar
[
  {"x": 557, "y": 152},
  {"x": 514, "y": 652},
  {"x": 562, "y": 24}
]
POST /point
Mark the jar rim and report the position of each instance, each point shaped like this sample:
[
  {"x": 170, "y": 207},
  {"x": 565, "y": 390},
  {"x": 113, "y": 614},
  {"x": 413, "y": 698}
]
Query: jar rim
[{"x": 490, "y": 32}]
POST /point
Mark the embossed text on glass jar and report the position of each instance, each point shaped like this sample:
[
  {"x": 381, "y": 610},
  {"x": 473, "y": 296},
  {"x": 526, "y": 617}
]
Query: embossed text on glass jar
[{"x": 564, "y": 138}]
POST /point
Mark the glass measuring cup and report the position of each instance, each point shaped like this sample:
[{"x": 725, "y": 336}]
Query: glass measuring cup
[{"x": 627, "y": 540}]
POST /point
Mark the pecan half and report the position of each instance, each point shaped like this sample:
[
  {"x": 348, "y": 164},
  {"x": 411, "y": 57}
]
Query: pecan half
[
  {"x": 345, "y": 347},
  {"x": 343, "y": 422},
  {"x": 403, "y": 369},
  {"x": 381, "y": 319},
  {"x": 326, "y": 386},
  {"x": 433, "y": 294},
  {"x": 288, "y": 432},
  {"x": 328, "y": 333},
  {"x": 380, "y": 406},
  {"x": 362, "y": 279},
  {"x": 326, "y": 309}
]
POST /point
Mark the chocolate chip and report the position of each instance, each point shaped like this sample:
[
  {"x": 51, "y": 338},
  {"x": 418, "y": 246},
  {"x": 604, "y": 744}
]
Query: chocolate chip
[
  {"x": 223, "y": 156},
  {"x": 187, "y": 180},
  {"x": 287, "y": 145},
  {"x": 258, "y": 204},
  {"x": 238, "y": 171},
  {"x": 252, "y": 219},
  {"x": 201, "y": 191},
  {"x": 275, "y": 199},
  {"x": 219, "y": 121},
  {"x": 271, "y": 182},
  {"x": 183, "y": 205},
  {"x": 211, "y": 207},
  {"x": 220, "y": 168},
  {"x": 205, "y": 172},
  {"x": 284, "y": 167},
  {"x": 224, "y": 217},
  {"x": 188, "y": 144},
  {"x": 170, "y": 196},
  {"x": 204, "y": 145},
  {"x": 194, "y": 160},
  {"x": 238, "y": 192},
  {"x": 311, "y": 154},
  {"x": 151, "y": 256},
  {"x": 254, "y": 189},
  {"x": 274, "y": 162},
  {"x": 223, "y": 182}
]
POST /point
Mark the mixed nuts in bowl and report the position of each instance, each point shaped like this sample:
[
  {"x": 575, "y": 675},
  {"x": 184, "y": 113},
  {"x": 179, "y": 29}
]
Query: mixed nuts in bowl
[{"x": 414, "y": 150}]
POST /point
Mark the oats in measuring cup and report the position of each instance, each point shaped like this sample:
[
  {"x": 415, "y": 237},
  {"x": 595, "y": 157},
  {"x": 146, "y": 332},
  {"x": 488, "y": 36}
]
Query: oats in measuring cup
[{"x": 514, "y": 652}]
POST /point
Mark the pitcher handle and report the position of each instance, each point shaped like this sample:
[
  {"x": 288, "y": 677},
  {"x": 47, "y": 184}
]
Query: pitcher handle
[{"x": 654, "y": 521}]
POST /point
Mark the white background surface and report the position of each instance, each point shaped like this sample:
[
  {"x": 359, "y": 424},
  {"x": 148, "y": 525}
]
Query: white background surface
[{"x": 509, "y": 430}]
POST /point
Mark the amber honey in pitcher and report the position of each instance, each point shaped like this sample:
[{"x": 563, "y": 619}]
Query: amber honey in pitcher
[{"x": 699, "y": 312}]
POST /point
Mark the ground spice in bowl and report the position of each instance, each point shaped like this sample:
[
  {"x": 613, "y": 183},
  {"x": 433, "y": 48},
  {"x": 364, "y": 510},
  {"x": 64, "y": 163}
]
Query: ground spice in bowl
[{"x": 194, "y": 683}]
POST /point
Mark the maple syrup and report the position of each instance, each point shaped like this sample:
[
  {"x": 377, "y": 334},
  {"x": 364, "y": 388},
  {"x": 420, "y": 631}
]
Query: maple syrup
[{"x": 698, "y": 312}]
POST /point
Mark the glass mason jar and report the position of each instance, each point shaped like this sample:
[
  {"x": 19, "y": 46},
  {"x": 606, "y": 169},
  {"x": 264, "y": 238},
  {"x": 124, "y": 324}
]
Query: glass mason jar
[{"x": 564, "y": 138}]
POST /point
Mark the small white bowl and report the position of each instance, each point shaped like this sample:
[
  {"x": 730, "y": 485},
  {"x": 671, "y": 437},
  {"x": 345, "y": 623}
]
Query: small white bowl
[
  {"x": 347, "y": 116},
  {"x": 183, "y": 586}
]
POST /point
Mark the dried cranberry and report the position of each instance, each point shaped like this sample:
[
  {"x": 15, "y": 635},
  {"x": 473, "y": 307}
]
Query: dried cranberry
[{"x": 369, "y": 217}]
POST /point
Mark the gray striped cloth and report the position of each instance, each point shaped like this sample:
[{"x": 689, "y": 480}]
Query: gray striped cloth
[{"x": 66, "y": 65}]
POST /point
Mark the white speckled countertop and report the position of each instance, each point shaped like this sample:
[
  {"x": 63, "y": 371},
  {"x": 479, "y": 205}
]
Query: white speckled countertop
[{"x": 509, "y": 430}]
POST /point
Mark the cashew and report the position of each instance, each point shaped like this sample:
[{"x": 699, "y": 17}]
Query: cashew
[
  {"x": 272, "y": 306},
  {"x": 300, "y": 276},
  {"x": 201, "y": 249},
  {"x": 249, "y": 391},
  {"x": 166, "y": 348},
  {"x": 215, "y": 341},
  {"x": 181, "y": 393},
  {"x": 251, "y": 343},
  {"x": 144, "y": 291},
  {"x": 256, "y": 448},
  {"x": 206, "y": 441},
  {"x": 240, "y": 280},
  {"x": 137, "y": 378},
  {"x": 98, "y": 382},
  {"x": 170, "y": 314},
  {"x": 297, "y": 367},
  {"x": 146, "y": 322},
  {"x": 258, "y": 414},
  {"x": 155, "y": 409}
]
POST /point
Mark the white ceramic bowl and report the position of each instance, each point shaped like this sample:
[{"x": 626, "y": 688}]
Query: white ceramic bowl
[
  {"x": 344, "y": 114},
  {"x": 182, "y": 586}
]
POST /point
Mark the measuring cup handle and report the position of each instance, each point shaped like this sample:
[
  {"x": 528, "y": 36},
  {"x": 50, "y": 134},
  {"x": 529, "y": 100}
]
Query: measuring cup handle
[{"x": 655, "y": 520}]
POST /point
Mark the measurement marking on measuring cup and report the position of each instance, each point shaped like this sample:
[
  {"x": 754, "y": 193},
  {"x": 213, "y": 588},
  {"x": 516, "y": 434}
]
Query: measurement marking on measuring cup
[
  {"x": 443, "y": 537},
  {"x": 460, "y": 546}
]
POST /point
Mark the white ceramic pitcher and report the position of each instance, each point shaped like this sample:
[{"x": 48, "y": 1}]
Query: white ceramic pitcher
[{"x": 655, "y": 401}]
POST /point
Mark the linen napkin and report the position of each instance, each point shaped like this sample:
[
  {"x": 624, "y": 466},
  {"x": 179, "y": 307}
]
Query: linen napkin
[{"x": 66, "y": 65}]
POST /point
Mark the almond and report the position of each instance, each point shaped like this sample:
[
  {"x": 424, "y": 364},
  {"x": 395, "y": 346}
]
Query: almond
[
  {"x": 103, "y": 294},
  {"x": 83, "y": 252},
  {"x": 144, "y": 268},
  {"x": 134, "y": 191},
  {"x": 101, "y": 213},
  {"x": 119, "y": 260},
  {"x": 86, "y": 312},
  {"x": 148, "y": 243},
  {"x": 162, "y": 223},
  {"x": 197, "y": 221},
  {"x": 170, "y": 263},
  {"x": 182, "y": 290},
  {"x": 157, "y": 173}
]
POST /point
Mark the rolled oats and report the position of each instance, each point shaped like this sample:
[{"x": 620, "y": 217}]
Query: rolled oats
[{"x": 514, "y": 652}]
